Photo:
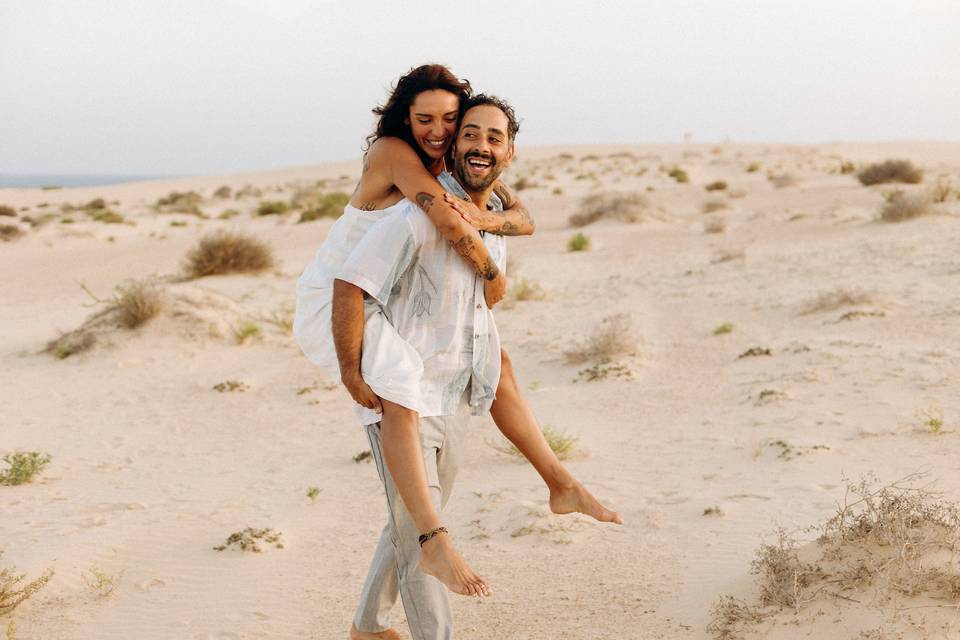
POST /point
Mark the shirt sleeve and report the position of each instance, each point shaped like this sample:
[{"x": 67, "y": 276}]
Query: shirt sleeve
[{"x": 382, "y": 256}]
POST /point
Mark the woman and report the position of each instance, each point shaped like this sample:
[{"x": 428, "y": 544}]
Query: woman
[{"x": 409, "y": 148}]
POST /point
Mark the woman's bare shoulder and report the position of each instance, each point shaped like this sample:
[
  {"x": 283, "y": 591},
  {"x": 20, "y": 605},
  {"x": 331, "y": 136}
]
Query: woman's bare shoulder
[{"x": 388, "y": 150}]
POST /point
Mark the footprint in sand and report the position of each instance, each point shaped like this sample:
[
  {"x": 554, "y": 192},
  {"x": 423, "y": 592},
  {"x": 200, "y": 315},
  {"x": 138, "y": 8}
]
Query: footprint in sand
[{"x": 149, "y": 585}]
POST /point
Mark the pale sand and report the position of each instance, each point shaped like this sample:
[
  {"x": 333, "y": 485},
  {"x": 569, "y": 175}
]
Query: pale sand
[{"x": 152, "y": 467}]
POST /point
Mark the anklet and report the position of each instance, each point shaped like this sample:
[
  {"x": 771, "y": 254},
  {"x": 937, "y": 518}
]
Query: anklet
[{"x": 429, "y": 534}]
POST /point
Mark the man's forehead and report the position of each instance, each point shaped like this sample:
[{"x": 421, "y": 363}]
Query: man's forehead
[{"x": 486, "y": 116}]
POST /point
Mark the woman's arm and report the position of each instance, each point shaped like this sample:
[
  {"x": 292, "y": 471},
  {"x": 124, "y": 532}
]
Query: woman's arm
[
  {"x": 514, "y": 220},
  {"x": 404, "y": 169}
]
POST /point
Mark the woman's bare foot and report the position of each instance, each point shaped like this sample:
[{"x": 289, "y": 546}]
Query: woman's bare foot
[
  {"x": 576, "y": 498},
  {"x": 389, "y": 634},
  {"x": 439, "y": 559}
]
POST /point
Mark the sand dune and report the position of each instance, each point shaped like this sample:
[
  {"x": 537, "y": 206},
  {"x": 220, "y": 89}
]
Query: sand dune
[{"x": 840, "y": 359}]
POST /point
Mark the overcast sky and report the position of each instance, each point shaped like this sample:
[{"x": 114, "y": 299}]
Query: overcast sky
[{"x": 215, "y": 86}]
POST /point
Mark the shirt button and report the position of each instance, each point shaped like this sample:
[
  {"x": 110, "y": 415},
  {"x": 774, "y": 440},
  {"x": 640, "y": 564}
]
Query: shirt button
[
  {"x": 476, "y": 336},
  {"x": 478, "y": 306}
]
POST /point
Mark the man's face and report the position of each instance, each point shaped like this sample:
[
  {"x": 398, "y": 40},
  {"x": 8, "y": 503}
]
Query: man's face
[{"x": 483, "y": 149}]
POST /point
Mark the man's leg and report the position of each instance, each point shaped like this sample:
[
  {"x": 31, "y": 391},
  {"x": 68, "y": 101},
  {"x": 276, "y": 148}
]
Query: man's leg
[
  {"x": 424, "y": 598},
  {"x": 516, "y": 421},
  {"x": 380, "y": 591}
]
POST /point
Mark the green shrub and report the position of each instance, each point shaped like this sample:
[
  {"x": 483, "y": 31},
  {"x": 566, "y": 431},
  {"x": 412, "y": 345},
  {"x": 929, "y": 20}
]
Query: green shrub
[
  {"x": 330, "y": 205},
  {"x": 24, "y": 465},
  {"x": 679, "y": 175},
  {"x": 226, "y": 252},
  {"x": 272, "y": 207},
  {"x": 578, "y": 242},
  {"x": 719, "y": 185}
]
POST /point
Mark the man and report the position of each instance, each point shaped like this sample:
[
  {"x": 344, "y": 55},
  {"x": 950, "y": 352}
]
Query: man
[{"x": 436, "y": 303}]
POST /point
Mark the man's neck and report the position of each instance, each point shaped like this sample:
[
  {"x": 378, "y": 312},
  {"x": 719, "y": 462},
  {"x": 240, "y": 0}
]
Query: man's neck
[{"x": 479, "y": 198}]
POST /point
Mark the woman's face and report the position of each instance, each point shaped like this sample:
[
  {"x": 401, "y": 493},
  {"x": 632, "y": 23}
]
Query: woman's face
[{"x": 433, "y": 121}]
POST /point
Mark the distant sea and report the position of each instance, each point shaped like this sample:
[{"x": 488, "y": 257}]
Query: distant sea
[{"x": 39, "y": 180}]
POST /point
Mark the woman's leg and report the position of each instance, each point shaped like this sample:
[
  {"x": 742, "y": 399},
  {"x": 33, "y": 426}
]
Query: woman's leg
[
  {"x": 516, "y": 421},
  {"x": 403, "y": 455}
]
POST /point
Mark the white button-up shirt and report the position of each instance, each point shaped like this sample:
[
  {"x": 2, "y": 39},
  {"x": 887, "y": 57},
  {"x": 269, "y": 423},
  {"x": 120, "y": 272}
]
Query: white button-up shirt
[{"x": 435, "y": 302}]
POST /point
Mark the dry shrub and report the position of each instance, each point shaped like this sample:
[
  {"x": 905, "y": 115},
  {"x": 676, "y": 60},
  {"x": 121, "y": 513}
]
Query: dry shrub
[
  {"x": 890, "y": 171},
  {"x": 272, "y": 207},
  {"x": 942, "y": 190},
  {"x": 10, "y": 232},
  {"x": 715, "y": 225},
  {"x": 528, "y": 290},
  {"x": 613, "y": 337},
  {"x": 14, "y": 591},
  {"x": 181, "y": 202},
  {"x": 785, "y": 581},
  {"x": 903, "y": 205},
  {"x": 783, "y": 180},
  {"x": 731, "y": 617},
  {"x": 713, "y": 205},
  {"x": 137, "y": 302},
  {"x": 223, "y": 192},
  {"x": 561, "y": 443},
  {"x": 719, "y": 185},
  {"x": 227, "y": 252},
  {"x": 839, "y": 297},
  {"x": 6, "y": 210},
  {"x": 625, "y": 207}
]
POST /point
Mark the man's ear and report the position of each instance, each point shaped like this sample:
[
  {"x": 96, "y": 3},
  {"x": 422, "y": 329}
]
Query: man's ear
[{"x": 510, "y": 154}]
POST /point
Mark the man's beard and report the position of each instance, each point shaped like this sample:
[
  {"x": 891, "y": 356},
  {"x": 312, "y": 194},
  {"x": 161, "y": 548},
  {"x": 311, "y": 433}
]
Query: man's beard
[{"x": 476, "y": 184}]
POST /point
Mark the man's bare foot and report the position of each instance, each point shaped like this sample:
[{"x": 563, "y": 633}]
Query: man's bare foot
[
  {"x": 576, "y": 498},
  {"x": 389, "y": 634},
  {"x": 439, "y": 559}
]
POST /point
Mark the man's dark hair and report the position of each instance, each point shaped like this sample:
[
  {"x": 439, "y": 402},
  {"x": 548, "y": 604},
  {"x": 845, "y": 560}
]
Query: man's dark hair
[
  {"x": 482, "y": 99},
  {"x": 409, "y": 86}
]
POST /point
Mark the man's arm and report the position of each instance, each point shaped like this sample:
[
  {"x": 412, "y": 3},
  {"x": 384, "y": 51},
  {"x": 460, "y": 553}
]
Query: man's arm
[
  {"x": 406, "y": 171},
  {"x": 348, "y": 324}
]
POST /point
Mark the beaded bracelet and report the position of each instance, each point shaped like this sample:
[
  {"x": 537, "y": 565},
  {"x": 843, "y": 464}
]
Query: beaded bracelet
[{"x": 429, "y": 534}]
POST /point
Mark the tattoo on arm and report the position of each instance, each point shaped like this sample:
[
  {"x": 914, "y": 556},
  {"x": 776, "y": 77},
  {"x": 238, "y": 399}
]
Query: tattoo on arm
[
  {"x": 368, "y": 206},
  {"x": 490, "y": 270},
  {"x": 425, "y": 201}
]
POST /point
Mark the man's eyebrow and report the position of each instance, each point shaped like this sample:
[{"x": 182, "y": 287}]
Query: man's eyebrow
[{"x": 491, "y": 129}]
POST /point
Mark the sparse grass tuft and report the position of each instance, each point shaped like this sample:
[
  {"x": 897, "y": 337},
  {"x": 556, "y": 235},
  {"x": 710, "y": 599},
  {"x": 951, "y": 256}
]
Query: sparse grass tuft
[
  {"x": 719, "y": 185},
  {"x": 624, "y": 207},
  {"x": 754, "y": 352},
  {"x": 231, "y": 385},
  {"x": 611, "y": 338},
  {"x": 363, "y": 455},
  {"x": 246, "y": 330},
  {"x": 7, "y": 210},
  {"x": 578, "y": 242},
  {"x": 228, "y": 213},
  {"x": 784, "y": 580},
  {"x": 10, "y": 232},
  {"x": 711, "y": 206},
  {"x": 678, "y": 174},
  {"x": 181, "y": 202},
  {"x": 96, "y": 579},
  {"x": 312, "y": 493},
  {"x": 931, "y": 420},
  {"x": 226, "y": 252},
  {"x": 942, "y": 190},
  {"x": 715, "y": 225},
  {"x": 329, "y": 205},
  {"x": 528, "y": 290},
  {"x": 753, "y": 167},
  {"x": 560, "y": 442},
  {"x": 13, "y": 591},
  {"x": 249, "y": 539},
  {"x": 839, "y": 297},
  {"x": 890, "y": 171},
  {"x": 24, "y": 465},
  {"x": 730, "y": 617},
  {"x": 223, "y": 192},
  {"x": 903, "y": 205},
  {"x": 723, "y": 329},
  {"x": 782, "y": 180}
]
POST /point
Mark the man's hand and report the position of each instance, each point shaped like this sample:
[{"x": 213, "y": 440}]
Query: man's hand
[
  {"x": 475, "y": 217},
  {"x": 495, "y": 290},
  {"x": 361, "y": 392}
]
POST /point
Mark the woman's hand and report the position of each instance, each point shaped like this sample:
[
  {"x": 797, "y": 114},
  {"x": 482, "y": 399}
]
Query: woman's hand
[{"x": 478, "y": 219}]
